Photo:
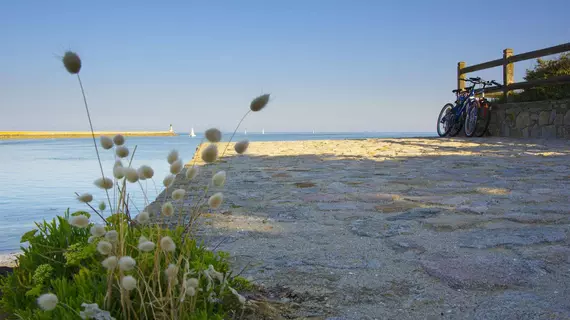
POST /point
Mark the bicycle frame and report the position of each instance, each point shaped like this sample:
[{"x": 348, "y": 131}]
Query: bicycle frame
[{"x": 463, "y": 100}]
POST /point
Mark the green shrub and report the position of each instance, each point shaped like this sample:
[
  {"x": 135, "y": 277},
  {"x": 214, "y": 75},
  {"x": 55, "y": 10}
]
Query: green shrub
[
  {"x": 544, "y": 69},
  {"x": 53, "y": 262}
]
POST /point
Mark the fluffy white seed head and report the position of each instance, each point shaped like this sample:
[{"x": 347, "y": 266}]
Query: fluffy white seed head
[
  {"x": 131, "y": 174},
  {"x": 122, "y": 151},
  {"x": 172, "y": 156},
  {"x": 172, "y": 271},
  {"x": 167, "y": 209},
  {"x": 146, "y": 246},
  {"x": 259, "y": 103},
  {"x": 118, "y": 172},
  {"x": 127, "y": 263},
  {"x": 129, "y": 283},
  {"x": 240, "y": 298},
  {"x": 119, "y": 140},
  {"x": 79, "y": 221},
  {"x": 190, "y": 291},
  {"x": 112, "y": 235},
  {"x": 210, "y": 153},
  {"x": 191, "y": 283},
  {"x": 216, "y": 200},
  {"x": 168, "y": 180},
  {"x": 85, "y": 198},
  {"x": 215, "y": 274},
  {"x": 48, "y": 301},
  {"x": 110, "y": 263},
  {"x": 71, "y": 62},
  {"x": 106, "y": 142},
  {"x": 104, "y": 183},
  {"x": 241, "y": 146},
  {"x": 102, "y": 206},
  {"x": 104, "y": 247},
  {"x": 143, "y": 217},
  {"x": 178, "y": 194},
  {"x": 167, "y": 244},
  {"x": 146, "y": 172},
  {"x": 191, "y": 172},
  {"x": 213, "y": 135},
  {"x": 176, "y": 166},
  {"x": 98, "y": 230},
  {"x": 219, "y": 179}
]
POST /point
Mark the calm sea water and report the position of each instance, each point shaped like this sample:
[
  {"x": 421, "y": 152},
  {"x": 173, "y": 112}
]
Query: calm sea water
[{"x": 39, "y": 178}]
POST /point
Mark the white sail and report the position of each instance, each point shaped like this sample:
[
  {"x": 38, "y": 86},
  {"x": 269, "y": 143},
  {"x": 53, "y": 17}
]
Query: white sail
[
  {"x": 262, "y": 131},
  {"x": 245, "y": 131},
  {"x": 192, "y": 134}
]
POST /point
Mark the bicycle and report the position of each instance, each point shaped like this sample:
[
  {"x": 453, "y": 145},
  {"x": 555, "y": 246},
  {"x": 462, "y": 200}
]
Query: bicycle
[
  {"x": 452, "y": 116},
  {"x": 474, "y": 112},
  {"x": 484, "y": 114}
]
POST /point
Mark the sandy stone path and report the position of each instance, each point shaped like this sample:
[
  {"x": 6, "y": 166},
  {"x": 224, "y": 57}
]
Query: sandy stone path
[{"x": 400, "y": 228}]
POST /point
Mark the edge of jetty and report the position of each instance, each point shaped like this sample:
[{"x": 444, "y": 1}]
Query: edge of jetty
[{"x": 6, "y": 135}]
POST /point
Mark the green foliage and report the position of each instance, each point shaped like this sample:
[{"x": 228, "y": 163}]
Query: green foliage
[
  {"x": 60, "y": 260},
  {"x": 545, "y": 69},
  {"x": 78, "y": 254}
]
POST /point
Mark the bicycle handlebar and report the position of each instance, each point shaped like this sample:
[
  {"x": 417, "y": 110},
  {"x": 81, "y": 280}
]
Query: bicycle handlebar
[{"x": 478, "y": 80}]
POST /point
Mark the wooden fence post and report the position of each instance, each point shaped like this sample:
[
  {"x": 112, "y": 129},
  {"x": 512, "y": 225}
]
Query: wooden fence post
[
  {"x": 508, "y": 73},
  {"x": 460, "y": 83}
]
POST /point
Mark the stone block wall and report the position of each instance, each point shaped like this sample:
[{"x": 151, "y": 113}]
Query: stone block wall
[{"x": 539, "y": 119}]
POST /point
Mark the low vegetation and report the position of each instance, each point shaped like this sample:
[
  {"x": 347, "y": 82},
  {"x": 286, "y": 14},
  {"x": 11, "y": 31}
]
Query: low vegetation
[
  {"x": 545, "y": 69},
  {"x": 105, "y": 263}
]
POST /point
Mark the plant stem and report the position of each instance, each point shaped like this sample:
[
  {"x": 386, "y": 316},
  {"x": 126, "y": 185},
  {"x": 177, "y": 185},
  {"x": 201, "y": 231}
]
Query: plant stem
[
  {"x": 97, "y": 212},
  {"x": 93, "y": 136},
  {"x": 239, "y": 124}
]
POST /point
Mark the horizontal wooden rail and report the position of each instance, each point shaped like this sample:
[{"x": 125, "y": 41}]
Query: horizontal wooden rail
[
  {"x": 539, "y": 53},
  {"x": 527, "y": 84},
  {"x": 541, "y": 82},
  {"x": 507, "y": 62}
]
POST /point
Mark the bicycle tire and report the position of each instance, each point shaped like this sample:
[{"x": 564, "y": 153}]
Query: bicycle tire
[
  {"x": 444, "y": 112},
  {"x": 470, "y": 123},
  {"x": 483, "y": 119},
  {"x": 457, "y": 126}
]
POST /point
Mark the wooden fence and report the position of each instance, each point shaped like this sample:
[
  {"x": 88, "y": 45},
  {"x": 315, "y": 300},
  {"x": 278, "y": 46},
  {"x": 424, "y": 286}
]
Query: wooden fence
[{"x": 508, "y": 62}]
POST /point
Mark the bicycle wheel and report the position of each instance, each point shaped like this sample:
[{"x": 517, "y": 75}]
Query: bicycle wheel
[
  {"x": 457, "y": 126},
  {"x": 471, "y": 118},
  {"x": 483, "y": 118},
  {"x": 444, "y": 120}
]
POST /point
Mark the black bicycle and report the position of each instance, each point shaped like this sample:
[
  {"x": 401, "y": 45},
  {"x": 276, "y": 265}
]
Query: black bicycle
[
  {"x": 452, "y": 116},
  {"x": 467, "y": 110}
]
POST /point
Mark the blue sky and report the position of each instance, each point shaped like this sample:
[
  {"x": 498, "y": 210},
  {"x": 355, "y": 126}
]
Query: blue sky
[{"x": 329, "y": 65}]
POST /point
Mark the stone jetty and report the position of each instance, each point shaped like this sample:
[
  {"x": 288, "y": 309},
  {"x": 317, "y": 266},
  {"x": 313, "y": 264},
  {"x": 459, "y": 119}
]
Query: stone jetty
[{"x": 398, "y": 228}]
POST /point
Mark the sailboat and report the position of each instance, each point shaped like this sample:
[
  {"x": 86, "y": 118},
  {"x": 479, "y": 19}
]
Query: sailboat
[
  {"x": 313, "y": 131},
  {"x": 245, "y": 131},
  {"x": 192, "y": 134},
  {"x": 262, "y": 131}
]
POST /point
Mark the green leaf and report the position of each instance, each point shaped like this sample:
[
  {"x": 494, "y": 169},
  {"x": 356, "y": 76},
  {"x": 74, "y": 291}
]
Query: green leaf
[
  {"x": 28, "y": 236},
  {"x": 35, "y": 291}
]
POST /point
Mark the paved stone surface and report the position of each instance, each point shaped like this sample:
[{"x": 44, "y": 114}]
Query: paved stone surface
[{"x": 398, "y": 228}]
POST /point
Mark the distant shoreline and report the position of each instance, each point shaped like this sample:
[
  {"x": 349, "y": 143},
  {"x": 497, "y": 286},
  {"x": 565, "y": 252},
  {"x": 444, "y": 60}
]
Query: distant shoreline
[{"x": 9, "y": 135}]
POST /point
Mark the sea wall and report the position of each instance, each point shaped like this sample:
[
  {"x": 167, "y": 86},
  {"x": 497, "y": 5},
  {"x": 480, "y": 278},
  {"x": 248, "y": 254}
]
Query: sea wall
[{"x": 539, "y": 119}]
